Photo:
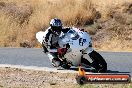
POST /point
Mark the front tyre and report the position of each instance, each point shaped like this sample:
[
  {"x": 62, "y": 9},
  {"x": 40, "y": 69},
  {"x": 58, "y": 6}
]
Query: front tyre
[{"x": 98, "y": 63}]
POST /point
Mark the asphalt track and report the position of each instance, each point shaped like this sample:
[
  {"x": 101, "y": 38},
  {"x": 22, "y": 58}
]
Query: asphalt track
[{"x": 118, "y": 62}]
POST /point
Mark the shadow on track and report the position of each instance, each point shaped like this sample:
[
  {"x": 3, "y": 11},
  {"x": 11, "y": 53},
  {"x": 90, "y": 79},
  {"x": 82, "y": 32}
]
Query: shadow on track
[{"x": 93, "y": 71}]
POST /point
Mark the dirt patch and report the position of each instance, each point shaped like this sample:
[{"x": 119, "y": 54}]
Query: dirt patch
[
  {"x": 109, "y": 21},
  {"x": 23, "y": 78},
  {"x": 14, "y": 77},
  {"x": 115, "y": 33}
]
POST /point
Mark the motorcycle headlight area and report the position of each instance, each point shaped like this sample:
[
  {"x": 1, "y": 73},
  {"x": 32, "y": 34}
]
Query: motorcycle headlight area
[{"x": 73, "y": 34}]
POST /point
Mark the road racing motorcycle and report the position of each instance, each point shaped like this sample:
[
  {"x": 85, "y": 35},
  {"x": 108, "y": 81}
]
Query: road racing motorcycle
[{"x": 75, "y": 49}]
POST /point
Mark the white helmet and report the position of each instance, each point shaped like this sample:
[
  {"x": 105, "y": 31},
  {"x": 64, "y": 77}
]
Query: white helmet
[
  {"x": 55, "y": 22},
  {"x": 56, "y": 26}
]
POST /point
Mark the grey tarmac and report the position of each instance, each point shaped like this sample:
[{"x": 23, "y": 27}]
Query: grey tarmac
[{"x": 118, "y": 62}]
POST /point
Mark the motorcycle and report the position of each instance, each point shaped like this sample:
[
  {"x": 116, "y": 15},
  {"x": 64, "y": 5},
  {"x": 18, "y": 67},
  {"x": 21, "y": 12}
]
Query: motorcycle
[{"x": 75, "y": 49}]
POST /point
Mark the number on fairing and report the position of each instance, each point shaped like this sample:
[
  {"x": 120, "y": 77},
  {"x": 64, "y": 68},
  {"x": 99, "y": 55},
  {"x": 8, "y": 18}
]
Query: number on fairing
[{"x": 82, "y": 41}]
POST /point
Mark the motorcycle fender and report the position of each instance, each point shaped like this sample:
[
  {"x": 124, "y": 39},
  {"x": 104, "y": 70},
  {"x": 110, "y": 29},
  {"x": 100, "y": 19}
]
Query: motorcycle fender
[{"x": 88, "y": 50}]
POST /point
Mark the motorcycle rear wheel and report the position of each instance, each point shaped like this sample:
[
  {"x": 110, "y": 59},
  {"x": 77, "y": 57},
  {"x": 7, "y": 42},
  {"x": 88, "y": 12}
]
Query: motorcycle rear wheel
[{"x": 65, "y": 66}]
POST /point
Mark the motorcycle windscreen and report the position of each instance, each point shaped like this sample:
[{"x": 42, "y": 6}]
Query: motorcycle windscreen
[{"x": 75, "y": 39}]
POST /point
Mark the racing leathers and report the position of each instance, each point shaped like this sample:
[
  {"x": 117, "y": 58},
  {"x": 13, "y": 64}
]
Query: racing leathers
[{"x": 50, "y": 46}]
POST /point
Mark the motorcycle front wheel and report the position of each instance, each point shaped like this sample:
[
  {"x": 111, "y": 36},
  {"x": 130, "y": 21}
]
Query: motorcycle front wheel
[{"x": 98, "y": 63}]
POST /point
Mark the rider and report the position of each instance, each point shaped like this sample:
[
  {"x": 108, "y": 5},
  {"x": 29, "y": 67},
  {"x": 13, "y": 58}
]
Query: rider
[{"x": 50, "y": 42}]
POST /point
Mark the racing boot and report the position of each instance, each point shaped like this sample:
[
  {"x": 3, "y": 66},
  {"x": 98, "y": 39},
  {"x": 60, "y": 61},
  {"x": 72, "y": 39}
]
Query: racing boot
[{"x": 56, "y": 62}]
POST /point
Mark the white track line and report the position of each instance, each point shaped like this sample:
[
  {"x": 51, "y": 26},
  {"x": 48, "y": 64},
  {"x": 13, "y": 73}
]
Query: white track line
[{"x": 37, "y": 68}]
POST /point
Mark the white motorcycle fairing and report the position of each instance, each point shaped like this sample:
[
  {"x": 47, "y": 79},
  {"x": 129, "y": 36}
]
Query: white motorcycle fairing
[
  {"x": 79, "y": 49},
  {"x": 40, "y": 36},
  {"x": 79, "y": 41}
]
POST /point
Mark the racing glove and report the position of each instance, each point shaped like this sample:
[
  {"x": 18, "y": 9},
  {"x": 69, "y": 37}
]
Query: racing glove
[{"x": 61, "y": 51}]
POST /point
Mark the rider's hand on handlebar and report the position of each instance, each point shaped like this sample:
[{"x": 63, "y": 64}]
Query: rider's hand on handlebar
[{"x": 61, "y": 51}]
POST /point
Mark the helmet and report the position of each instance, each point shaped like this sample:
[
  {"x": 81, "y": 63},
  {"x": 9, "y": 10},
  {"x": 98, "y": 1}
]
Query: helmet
[{"x": 56, "y": 26}]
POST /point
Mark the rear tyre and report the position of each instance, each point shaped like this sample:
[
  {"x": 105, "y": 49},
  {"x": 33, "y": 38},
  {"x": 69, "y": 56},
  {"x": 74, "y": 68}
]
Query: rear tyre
[
  {"x": 98, "y": 63},
  {"x": 65, "y": 65}
]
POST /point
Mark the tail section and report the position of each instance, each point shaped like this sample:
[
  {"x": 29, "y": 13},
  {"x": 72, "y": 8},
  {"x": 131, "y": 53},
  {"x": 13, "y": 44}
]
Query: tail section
[{"x": 40, "y": 36}]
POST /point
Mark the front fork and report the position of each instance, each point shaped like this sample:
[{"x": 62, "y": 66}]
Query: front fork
[
  {"x": 86, "y": 52},
  {"x": 85, "y": 59}
]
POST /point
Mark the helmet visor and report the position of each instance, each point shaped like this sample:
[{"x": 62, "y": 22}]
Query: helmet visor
[{"x": 56, "y": 30}]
